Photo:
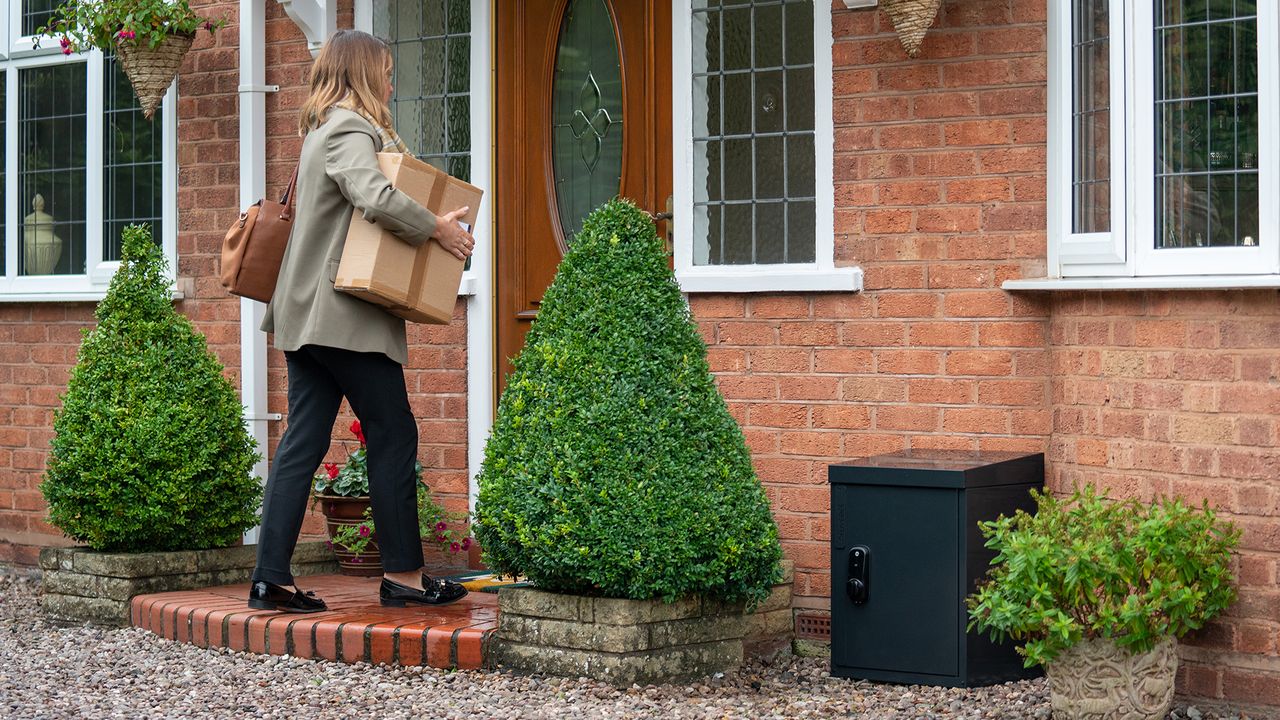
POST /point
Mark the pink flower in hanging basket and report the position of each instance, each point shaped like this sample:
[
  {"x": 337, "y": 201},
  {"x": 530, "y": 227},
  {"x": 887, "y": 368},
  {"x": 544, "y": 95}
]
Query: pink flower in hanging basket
[
  {"x": 364, "y": 531},
  {"x": 126, "y": 35}
]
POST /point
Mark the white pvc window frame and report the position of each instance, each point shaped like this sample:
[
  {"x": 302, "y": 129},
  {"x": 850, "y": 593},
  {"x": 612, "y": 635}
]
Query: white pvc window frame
[
  {"x": 1128, "y": 250},
  {"x": 20, "y": 52},
  {"x": 821, "y": 275}
]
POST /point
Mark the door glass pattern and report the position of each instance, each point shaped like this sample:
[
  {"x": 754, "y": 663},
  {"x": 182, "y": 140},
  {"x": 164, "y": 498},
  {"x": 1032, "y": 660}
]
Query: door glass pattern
[
  {"x": 1206, "y": 123},
  {"x": 586, "y": 109},
  {"x": 1091, "y": 116},
  {"x": 51, "y": 170},
  {"x": 753, "y": 132},
  {"x": 132, "y": 168},
  {"x": 430, "y": 42}
]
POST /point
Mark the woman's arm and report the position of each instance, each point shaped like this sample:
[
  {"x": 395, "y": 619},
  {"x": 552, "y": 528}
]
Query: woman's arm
[{"x": 351, "y": 162}]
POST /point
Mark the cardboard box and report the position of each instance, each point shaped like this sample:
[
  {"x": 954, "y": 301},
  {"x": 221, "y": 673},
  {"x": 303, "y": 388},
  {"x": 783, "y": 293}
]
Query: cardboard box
[{"x": 416, "y": 283}]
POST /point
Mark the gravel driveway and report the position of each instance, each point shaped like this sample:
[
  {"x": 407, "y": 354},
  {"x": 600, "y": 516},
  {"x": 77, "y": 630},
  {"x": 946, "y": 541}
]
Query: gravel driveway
[{"x": 52, "y": 672}]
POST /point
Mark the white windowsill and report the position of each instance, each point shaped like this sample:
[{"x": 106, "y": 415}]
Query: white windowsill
[
  {"x": 1164, "y": 282},
  {"x": 87, "y": 296},
  {"x": 468, "y": 285},
  {"x": 745, "y": 279}
]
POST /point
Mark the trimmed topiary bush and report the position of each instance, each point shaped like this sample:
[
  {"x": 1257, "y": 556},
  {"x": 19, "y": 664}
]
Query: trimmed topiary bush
[
  {"x": 614, "y": 467},
  {"x": 150, "y": 452}
]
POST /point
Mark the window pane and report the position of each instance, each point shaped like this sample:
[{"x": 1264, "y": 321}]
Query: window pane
[
  {"x": 586, "y": 109},
  {"x": 51, "y": 170},
  {"x": 1206, "y": 124},
  {"x": 431, "y": 43},
  {"x": 36, "y": 14},
  {"x": 1091, "y": 117},
  {"x": 753, "y": 126},
  {"x": 132, "y": 166}
]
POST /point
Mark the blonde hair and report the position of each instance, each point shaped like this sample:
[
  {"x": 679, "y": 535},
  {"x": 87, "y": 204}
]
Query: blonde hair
[{"x": 351, "y": 64}]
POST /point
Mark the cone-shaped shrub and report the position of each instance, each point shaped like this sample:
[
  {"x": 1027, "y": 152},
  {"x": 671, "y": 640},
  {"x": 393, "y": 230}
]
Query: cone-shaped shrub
[
  {"x": 151, "y": 451},
  {"x": 614, "y": 467}
]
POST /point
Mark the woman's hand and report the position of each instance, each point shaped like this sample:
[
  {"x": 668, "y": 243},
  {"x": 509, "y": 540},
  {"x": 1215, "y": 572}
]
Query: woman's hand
[{"x": 451, "y": 236}]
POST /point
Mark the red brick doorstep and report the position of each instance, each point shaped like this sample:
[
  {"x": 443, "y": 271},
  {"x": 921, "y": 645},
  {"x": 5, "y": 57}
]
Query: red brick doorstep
[{"x": 355, "y": 629}]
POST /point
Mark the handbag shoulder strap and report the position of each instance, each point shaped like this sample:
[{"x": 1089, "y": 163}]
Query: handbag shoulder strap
[{"x": 288, "y": 199}]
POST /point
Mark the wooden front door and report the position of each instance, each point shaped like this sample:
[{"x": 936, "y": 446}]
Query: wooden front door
[{"x": 583, "y": 114}]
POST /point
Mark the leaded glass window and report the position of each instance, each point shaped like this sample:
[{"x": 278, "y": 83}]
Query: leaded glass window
[
  {"x": 51, "y": 170},
  {"x": 753, "y": 132},
  {"x": 1091, "y": 116},
  {"x": 586, "y": 107},
  {"x": 431, "y": 44},
  {"x": 1206, "y": 123},
  {"x": 133, "y": 149}
]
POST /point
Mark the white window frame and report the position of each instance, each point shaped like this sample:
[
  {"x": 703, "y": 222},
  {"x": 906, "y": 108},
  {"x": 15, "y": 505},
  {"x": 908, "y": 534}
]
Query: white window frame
[
  {"x": 18, "y": 53},
  {"x": 1127, "y": 254},
  {"x": 821, "y": 275},
  {"x": 481, "y": 133}
]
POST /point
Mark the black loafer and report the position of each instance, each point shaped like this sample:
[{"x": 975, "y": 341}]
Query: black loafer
[
  {"x": 434, "y": 592},
  {"x": 269, "y": 596}
]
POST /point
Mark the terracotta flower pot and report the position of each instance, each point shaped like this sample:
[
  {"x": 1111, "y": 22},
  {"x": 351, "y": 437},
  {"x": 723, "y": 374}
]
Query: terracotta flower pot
[
  {"x": 349, "y": 511},
  {"x": 1096, "y": 680}
]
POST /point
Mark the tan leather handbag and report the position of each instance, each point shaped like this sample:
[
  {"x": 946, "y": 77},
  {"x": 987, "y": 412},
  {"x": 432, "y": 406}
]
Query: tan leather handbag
[{"x": 254, "y": 246}]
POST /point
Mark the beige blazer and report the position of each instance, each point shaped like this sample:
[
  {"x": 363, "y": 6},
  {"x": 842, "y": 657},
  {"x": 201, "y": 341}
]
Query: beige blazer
[{"x": 337, "y": 176}]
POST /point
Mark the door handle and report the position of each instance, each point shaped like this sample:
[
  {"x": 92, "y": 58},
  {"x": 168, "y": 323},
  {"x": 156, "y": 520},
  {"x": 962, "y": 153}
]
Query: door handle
[
  {"x": 859, "y": 574},
  {"x": 659, "y": 217},
  {"x": 668, "y": 216}
]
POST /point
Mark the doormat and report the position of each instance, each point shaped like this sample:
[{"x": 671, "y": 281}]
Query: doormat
[{"x": 485, "y": 581}]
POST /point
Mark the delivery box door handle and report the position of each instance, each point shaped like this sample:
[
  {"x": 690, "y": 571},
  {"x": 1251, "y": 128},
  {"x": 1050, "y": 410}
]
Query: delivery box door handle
[{"x": 859, "y": 575}]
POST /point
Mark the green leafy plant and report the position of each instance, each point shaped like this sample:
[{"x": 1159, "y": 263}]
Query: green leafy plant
[
  {"x": 1092, "y": 567},
  {"x": 105, "y": 24},
  {"x": 150, "y": 450},
  {"x": 614, "y": 467},
  {"x": 437, "y": 525}
]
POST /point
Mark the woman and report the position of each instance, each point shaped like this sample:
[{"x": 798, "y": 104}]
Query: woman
[{"x": 336, "y": 345}]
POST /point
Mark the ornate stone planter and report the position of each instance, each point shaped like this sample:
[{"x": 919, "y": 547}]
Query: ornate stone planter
[
  {"x": 635, "y": 641},
  {"x": 1096, "y": 680},
  {"x": 82, "y": 585}
]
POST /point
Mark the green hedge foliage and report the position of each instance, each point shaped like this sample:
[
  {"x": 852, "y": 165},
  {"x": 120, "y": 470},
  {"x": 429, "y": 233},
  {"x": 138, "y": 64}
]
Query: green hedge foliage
[
  {"x": 151, "y": 452},
  {"x": 614, "y": 467}
]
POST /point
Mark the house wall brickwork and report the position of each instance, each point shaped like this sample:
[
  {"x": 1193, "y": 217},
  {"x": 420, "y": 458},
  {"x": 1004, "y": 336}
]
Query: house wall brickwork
[{"x": 940, "y": 197}]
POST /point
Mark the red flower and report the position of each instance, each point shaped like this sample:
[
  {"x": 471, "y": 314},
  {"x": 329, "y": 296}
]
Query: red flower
[
  {"x": 66, "y": 50},
  {"x": 364, "y": 531},
  {"x": 355, "y": 430},
  {"x": 208, "y": 25},
  {"x": 331, "y": 469},
  {"x": 466, "y": 543},
  {"x": 455, "y": 547}
]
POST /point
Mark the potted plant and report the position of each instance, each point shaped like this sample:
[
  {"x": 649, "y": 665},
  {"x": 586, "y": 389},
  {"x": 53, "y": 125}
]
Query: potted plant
[
  {"x": 615, "y": 478},
  {"x": 151, "y": 37},
  {"x": 1098, "y": 590},
  {"x": 150, "y": 459},
  {"x": 343, "y": 496}
]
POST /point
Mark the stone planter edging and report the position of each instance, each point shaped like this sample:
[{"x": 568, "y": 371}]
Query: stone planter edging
[
  {"x": 634, "y": 641},
  {"x": 82, "y": 585}
]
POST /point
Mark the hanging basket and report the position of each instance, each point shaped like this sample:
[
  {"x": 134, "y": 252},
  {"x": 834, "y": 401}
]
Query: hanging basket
[
  {"x": 911, "y": 18},
  {"x": 151, "y": 70}
]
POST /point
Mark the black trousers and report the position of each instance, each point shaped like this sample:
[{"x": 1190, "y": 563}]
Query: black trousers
[{"x": 319, "y": 377}]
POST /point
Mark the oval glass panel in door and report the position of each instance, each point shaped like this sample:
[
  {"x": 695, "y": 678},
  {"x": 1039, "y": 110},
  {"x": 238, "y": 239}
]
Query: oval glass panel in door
[{"x": 586, "y": 110}]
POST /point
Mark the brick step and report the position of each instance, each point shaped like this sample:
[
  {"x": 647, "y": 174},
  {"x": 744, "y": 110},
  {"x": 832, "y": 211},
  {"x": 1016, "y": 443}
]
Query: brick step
[{"x": 356, "y": 628}]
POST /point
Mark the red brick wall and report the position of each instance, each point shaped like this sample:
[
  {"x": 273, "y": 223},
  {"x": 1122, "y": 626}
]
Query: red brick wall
[
  {"x": 939, "y": 171},
  {"x": 1178, "y": 393}
]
